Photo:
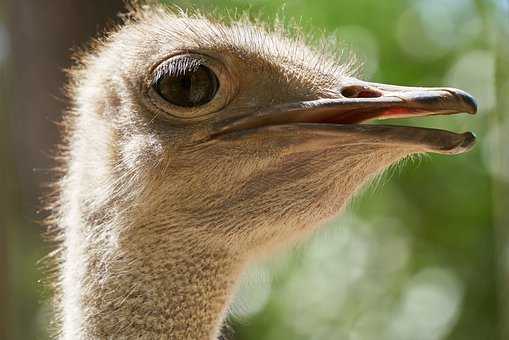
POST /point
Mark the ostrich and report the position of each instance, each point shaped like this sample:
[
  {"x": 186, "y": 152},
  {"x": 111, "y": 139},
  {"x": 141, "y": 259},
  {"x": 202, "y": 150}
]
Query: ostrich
[{"x": 195, "y": 147}]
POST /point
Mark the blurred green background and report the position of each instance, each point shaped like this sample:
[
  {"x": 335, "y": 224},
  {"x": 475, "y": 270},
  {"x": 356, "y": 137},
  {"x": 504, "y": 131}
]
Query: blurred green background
[{"x": 422, "y": 254}]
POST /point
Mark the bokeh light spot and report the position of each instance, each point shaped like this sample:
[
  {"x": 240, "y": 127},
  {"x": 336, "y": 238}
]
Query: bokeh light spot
[
  {"x": 432, "y": 28},
  {"x": 429, "y": 307},
  {"x": 474, "y": 72},
  {"x": 253, "y": 292}
]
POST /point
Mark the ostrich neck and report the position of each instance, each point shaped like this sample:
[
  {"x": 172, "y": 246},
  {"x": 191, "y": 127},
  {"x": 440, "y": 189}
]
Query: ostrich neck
[{"x": 145, "y": 288}]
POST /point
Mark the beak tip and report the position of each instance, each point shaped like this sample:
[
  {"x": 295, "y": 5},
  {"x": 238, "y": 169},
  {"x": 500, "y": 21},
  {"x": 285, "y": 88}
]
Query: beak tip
[
  {"x": 466, "y": 143},
  {"x": 468, "y": 101},
  {"x": 449, "y": 143}
]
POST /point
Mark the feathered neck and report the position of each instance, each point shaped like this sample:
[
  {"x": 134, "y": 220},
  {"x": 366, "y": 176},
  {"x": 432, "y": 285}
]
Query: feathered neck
[{"x": 147, "y": 289}]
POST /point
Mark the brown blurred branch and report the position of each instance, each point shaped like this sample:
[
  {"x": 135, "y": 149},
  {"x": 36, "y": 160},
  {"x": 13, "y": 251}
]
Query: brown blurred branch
[
  {"x": 42, "y": 34},
  {"x": 500, "y": 124}
]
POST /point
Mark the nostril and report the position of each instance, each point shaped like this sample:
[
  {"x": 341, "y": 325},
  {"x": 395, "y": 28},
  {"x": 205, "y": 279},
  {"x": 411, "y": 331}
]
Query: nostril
[{"x": 355, "y": 91}]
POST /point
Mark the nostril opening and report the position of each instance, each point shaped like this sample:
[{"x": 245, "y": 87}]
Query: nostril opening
[{"x": 355, "y": 91}]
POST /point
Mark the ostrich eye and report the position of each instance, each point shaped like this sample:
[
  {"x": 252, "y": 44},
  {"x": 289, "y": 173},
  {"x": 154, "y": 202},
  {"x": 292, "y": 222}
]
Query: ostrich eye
[{"x": 187, "y": 85}]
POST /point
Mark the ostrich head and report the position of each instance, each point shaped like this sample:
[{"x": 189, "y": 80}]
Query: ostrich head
[{"x": 196, "y": 146}]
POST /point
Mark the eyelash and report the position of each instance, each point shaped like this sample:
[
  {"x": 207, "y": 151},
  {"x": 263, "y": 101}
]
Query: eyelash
[{"x": 176, "y": 67}]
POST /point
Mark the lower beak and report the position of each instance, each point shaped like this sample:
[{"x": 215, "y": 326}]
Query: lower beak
[{"x": 363, "y": 101}]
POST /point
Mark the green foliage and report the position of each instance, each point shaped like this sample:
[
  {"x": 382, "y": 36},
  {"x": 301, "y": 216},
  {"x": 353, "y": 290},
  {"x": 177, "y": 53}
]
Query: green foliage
[
  {"x": 414, "y": 258},
  {"x": 423, "y": 240}
]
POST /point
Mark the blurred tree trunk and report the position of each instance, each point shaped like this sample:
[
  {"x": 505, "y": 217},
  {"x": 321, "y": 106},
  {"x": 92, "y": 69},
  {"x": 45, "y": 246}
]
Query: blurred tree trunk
[
  {"x": 500, "y": 124},
  {"x": 41, "y": 35}
]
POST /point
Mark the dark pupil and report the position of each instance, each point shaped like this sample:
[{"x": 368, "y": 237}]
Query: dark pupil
[{"x": 192, "y": 88}]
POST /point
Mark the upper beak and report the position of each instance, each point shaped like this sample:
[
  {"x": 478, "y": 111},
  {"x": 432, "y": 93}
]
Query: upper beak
[{"x": 363, "y": 101}]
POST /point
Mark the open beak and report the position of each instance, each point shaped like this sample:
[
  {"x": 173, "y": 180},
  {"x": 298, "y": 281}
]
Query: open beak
[{"x": 363, "y": 101}]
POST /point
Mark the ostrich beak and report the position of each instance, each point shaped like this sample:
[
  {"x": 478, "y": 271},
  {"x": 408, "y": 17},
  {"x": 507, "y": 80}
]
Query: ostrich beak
[{"x": 361, "y": 102}]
